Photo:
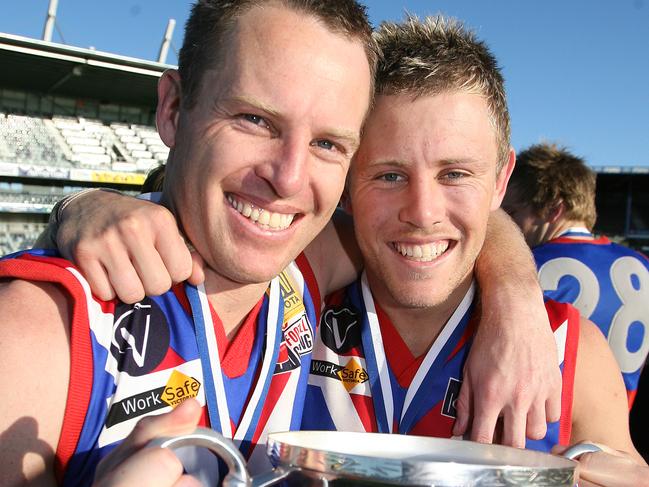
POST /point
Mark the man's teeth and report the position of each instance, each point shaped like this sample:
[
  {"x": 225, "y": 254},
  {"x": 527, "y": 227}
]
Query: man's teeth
[
  {"x": 263, "y": 218},
  {"x": 422, "y": 253}
]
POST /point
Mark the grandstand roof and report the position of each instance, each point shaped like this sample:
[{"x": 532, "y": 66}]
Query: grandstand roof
[{"x": 57, "y": 69}]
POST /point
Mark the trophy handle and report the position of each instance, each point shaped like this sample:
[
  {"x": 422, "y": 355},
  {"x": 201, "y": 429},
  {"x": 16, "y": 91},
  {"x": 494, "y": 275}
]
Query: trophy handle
[
  {"x": 219, "y": 445},
  {"x": 226, "y": 450},
  {"x": 579, "y": 449}
]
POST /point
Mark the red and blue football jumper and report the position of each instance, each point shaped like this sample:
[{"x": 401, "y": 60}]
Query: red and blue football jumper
[
  {"x": 609, "y": 284},
  {"x": 132, "y": 361},
  {"x": 364, "y": 378}
]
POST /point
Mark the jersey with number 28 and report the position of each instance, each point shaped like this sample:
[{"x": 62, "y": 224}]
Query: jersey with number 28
[{"x": 609, "y": 284}]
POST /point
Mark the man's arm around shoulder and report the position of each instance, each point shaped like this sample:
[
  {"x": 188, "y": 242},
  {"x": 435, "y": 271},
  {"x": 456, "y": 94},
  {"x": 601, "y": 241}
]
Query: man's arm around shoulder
[{"x": 35, "y": 365}]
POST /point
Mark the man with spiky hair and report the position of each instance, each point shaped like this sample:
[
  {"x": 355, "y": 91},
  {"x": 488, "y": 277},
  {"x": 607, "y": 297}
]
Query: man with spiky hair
[
  {"x": 551, "y": 197},
  {"x": 434, "y": 162}
]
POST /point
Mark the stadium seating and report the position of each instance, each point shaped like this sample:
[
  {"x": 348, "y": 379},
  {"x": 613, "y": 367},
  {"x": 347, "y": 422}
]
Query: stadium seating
[
  {"x": 17, "y": 197},
  {"x": 78, "y": 142},
  {"x": 26, "y": 139},
  {"x": 18, "y": 236}
]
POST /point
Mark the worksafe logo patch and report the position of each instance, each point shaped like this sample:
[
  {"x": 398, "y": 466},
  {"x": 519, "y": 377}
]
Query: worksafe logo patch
[
  {"x": 179, "y": 388},
  {"x": 352, "y": 374},
  {"x": 325, "y": 369},
  {"x": 135, "y": 406}
]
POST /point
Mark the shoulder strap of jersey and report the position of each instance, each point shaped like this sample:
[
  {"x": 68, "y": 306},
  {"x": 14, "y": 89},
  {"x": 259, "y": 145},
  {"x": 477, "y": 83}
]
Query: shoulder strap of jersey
[
  {"x": 308, "y": 275},
  {"x": 564, "y": 320}
]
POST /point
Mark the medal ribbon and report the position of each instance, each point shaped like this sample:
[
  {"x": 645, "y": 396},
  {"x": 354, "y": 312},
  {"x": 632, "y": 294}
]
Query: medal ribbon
[
  {"x": 376, "y": 361},
  {"x": 377, "y": 366},
  {"x": 215, "y": 395}
]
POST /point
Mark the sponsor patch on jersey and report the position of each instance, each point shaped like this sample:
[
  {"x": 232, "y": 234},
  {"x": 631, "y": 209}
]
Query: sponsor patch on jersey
[
  {"x": 352, "y": 374},
  {"x": 293, "y": 304},
  {"x": 140, "y": 337},
  {"x": 298, "y": 341},
  {"x": 340, "y": 328},
  {"x": 140, "y": 396},
  {"x": 297, "y": 332},
  {"x": 325, "y": 369},
  {"x": 135, "y": 406},
  {"x": 452, "y": 393},
  {"x": 179, "y": 388}
]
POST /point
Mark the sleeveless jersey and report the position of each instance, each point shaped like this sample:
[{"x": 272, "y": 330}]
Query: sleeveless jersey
[
  {"x": 356, "y": 384},
  {"x": 132, "y": 361},
  {"x": 609, "y": 284}
]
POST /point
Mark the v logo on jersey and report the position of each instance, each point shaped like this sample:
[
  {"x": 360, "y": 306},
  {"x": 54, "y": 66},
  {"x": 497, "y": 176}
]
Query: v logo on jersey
[
  {"x": 140, "y": 337},
  {"x": 340, "y": 328},
  {"x": 335, "y": 328},
  {"x": 138, "y": 355}
]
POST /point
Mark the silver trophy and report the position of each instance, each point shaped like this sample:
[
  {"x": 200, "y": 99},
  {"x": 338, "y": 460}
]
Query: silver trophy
[{"x": 323, "y": 458}]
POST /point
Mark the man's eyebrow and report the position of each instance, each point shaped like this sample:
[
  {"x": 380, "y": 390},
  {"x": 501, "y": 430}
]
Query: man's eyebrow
[
  {"x": 351, "y": 137},
  {"x": 460, "y": 161},
  {"x": 388, "y": 163},
  {"x": 444, "y": 162},
  {"x": 254, "y": 102}
]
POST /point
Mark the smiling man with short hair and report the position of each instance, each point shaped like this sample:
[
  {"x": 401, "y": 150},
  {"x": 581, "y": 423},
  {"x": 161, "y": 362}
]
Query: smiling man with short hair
[{"x": 433, "y": 164}]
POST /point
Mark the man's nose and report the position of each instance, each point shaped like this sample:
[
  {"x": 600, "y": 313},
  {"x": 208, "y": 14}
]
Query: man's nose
[
  {"x": 423, "y": 206},
  {"x": 287, "y": 170}
]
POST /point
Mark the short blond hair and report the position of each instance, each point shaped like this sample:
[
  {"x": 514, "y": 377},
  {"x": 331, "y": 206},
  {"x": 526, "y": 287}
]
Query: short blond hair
[{"x": 437, "y": 55}]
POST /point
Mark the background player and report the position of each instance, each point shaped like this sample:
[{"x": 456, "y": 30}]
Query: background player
[{"x": 551, "y": 196}]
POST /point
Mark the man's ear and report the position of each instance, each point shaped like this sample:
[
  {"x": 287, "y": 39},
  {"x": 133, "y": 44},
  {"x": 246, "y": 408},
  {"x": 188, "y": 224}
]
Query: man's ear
[
  {"x": 557, "y": 212},
  {"x": 502, "y": 179},
  {"x": 168, "y": 112}
]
